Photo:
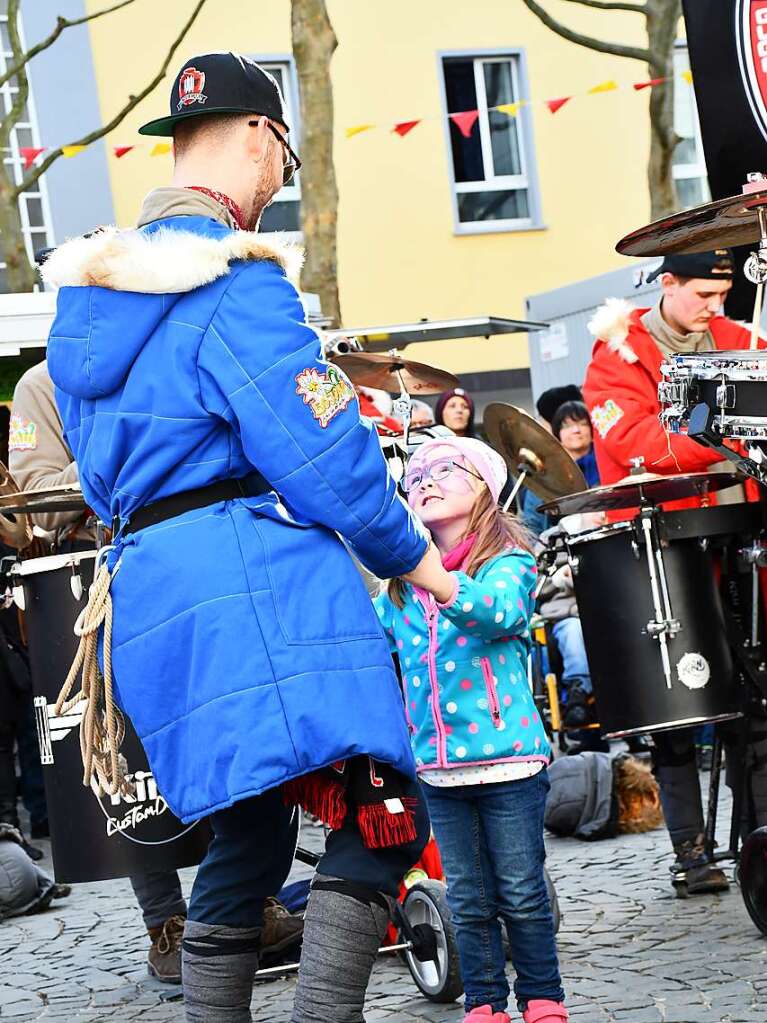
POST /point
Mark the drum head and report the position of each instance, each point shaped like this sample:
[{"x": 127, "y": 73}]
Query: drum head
[{"x": 753, "y": 877}]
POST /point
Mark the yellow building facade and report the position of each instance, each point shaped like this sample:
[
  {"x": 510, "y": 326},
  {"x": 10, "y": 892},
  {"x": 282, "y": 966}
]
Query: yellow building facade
[{"x": 402, "y": 254}]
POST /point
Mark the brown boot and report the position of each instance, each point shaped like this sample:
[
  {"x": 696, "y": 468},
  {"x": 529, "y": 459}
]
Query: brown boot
[
  {"x": 281, "y": 929},
  {"x": 164, "y": 959}
]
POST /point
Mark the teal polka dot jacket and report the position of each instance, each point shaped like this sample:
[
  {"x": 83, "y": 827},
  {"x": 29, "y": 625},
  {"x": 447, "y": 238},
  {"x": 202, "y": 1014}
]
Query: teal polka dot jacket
[{"x": 464, "y": 667}]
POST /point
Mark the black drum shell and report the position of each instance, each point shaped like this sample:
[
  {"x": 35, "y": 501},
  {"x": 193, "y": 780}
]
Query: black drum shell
[
  {"x": 612, "y": 586},
  {"x": 92, "y": 838}
]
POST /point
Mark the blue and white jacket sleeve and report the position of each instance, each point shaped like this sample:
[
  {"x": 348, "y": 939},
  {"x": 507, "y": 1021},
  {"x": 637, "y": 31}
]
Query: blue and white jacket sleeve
[
  {"x": 260, "y": 368},
  {"x": 386, "y": 612},
  {"x": 499, "y": 602}
]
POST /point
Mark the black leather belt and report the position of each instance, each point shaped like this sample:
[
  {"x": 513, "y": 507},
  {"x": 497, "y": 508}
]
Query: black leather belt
[{"x": 176, "y": 504}]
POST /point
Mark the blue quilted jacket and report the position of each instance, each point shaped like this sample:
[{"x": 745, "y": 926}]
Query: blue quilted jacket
[
  {"x": 464, "y": 667},
  {"x": 245, "y": 650}
]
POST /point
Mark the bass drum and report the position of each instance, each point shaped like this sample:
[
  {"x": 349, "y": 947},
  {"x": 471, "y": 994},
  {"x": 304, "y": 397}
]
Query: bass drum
[
  {"x": 92, "y": 838},
  {"x": 613, "y": 589}
]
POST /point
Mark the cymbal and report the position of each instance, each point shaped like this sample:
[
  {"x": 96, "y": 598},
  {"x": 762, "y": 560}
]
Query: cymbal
[
  {"x": 367, "y": 369},
  {"x": 646, "y": 487},
  {"x": 55, "y": 499},
  {"x": 526, "y": 444},
  {"x": 724, "y": 222},
  {"x": 16, "y": 531}
]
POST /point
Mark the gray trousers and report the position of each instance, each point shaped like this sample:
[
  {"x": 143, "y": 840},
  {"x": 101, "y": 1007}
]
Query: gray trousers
[{"x": 158, "y": 893}]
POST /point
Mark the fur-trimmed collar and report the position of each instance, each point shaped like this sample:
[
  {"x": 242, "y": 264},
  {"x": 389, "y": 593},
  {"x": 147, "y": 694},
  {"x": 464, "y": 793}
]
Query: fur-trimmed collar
[
  {"x": 165, "y": 261},
  {"x": 610, "y": 324}
]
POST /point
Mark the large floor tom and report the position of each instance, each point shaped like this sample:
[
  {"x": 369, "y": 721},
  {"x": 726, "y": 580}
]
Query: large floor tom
[{"x": 93, "y": 838}]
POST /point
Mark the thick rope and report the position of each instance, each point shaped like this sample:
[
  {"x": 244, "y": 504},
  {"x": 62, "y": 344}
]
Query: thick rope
[{"x": 102, "y": 728}]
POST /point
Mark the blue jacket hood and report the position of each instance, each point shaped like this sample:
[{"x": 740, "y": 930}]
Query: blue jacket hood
[{"x": 119, "y": 285}]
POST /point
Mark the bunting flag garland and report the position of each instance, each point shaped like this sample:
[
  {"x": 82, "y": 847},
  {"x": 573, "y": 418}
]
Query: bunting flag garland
[
  {"x": 358, "y": 129},
  {"x": 161, "y": 148},
  {"x": 609, "y": 86},
  {"x": 465, "y": 121},
  {"x": 404, "y": 127},
  {"x": 687, "y": 75},
  {"x": 557, "y": 104},
  {"x": 650, "y": 84},
  {"x": 69, "y": 151},
  {"x": 120, "y": 151},
  {"x": 512, "y": 109},
  {"x": 29, "y": 154}
]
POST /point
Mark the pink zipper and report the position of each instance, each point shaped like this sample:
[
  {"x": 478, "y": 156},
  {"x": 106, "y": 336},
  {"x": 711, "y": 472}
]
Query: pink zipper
[
  {"x": 410, "y": 725},
  {"x": 492, "y": 695},
  {"x": 431, "y": 614}
]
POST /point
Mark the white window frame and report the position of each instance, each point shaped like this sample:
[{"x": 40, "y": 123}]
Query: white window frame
[
  {"x": 287, "y": 65},
  {"x": 697, "y": 170},
  {"x": 528, "y": 180},
  {"x": 34, "y": 237}
]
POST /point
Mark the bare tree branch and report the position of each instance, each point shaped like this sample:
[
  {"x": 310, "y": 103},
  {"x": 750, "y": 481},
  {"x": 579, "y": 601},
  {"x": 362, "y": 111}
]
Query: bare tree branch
[
  {"x": 22, "y": 58},
  {"x": 601, "y": 5},
  {"x": 120, "y": 116},
  {"x": 617, "y": 49},
  {"x": 13, "y": 115}
]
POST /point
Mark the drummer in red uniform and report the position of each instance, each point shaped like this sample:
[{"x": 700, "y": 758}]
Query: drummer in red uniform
[{"x": 621, "y": 392}]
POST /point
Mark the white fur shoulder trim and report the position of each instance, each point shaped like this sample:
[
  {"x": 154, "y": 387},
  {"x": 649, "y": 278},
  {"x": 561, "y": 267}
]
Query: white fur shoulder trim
[
  {"x": 163, "y": 262},
  {"x": 610, "y": 323}
]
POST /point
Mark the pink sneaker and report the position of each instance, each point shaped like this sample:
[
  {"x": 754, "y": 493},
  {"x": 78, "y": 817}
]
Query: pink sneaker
[
  {"x": 485, "y": 1014},
  {"x": 542, "y": 1010}
]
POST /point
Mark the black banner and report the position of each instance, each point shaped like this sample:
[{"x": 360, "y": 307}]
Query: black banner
[{"x": 727, "y": 42}]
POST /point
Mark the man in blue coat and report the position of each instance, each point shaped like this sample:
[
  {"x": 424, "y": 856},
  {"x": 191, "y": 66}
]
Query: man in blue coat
[{"x": 206, "y": 424}]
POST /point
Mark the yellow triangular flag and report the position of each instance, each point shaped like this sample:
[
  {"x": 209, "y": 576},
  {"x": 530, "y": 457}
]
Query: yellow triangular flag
[
  {"x": 160, "y": 149},
  {"x": 687, "y": 75},
  {"x": 69, "y": 151},
  {"x": 512, "y": 109},
  {"x": 608, "y": 86},
  {"x": 351, "y": 132}
]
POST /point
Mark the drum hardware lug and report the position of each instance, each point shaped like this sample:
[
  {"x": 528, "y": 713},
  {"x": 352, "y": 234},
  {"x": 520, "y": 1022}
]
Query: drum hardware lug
[
  {"x": 574, "y": 562},
  {"x": 42, "y": 722},
  {"x": 76, "y": 584},
  {"x": 725, "y": 396},
  {"x": 704, "y": 543}
]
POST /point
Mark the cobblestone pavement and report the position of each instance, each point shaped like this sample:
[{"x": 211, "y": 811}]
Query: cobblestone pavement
[{"x": 630, "y": 951}]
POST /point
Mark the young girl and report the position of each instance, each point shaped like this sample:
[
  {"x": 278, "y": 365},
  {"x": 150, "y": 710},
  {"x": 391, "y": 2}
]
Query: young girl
[{"x": 480, "y": 748}]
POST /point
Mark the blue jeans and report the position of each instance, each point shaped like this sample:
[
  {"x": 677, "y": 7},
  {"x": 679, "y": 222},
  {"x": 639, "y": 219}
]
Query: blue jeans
[
  {"x": 568, "y": 635},
  {"x": 490, "y": 838}
]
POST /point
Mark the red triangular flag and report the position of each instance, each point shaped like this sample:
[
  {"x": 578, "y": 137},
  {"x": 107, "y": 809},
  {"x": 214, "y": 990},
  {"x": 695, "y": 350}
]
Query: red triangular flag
[
  {"x": 465, "y": 121},
  {"x": 557, "y": 104},
  {"x": 404, "y": 127},
  {"x": 29, "y": 154},
  {"x": 650, "y": 83},
  {"x": 122, "y": 150}
]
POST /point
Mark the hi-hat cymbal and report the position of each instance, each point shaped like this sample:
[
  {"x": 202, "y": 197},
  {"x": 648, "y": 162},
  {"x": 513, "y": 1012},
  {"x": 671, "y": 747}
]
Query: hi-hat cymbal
[
  {"x": 525, "y": 444},
  {"x": 643, "y": 488},
  {"x": 725, "y": 222},
  {"x": 15, "y": 530},
  {"x": 380, "y": 371}
]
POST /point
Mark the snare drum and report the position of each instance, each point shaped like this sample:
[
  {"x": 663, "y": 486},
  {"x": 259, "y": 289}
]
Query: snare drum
[
  {"x": 732, "y": 383},
  {"x": 92, "y": 838},
  {"x": 618, "y": 613}
]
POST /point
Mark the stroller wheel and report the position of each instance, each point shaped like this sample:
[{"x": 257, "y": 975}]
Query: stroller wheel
[
  {"x": 438, "y": 976},
  {"x": 752, "y": 877}
]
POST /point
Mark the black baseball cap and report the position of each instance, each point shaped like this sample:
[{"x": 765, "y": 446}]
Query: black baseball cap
[
  {"x": 220, "y": 83},
  {"x": 719, "y": 264}
]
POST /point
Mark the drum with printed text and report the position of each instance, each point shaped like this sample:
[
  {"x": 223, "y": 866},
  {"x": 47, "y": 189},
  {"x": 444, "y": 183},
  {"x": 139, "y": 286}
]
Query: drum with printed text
[{"x": 93, "y": 838}]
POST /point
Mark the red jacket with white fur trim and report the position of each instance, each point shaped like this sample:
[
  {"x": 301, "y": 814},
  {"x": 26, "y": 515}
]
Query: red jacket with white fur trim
[{"x": 621, "y": 392}]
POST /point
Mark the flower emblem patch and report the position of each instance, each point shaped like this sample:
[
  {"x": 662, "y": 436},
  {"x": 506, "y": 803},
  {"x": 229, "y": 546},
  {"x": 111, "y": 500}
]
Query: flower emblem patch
[{"x": 326, "y": 394}]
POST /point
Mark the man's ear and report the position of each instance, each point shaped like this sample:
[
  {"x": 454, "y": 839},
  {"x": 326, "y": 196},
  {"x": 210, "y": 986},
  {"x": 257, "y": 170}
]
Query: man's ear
[{"x": 257, "y": 139}]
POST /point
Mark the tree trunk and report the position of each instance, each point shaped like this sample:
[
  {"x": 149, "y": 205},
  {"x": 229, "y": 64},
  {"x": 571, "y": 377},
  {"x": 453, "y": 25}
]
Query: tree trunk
[
  {"x": 314, "y": 42},
  {"x": 20, "y": 275},
  {"x": 662, "y": 24}
]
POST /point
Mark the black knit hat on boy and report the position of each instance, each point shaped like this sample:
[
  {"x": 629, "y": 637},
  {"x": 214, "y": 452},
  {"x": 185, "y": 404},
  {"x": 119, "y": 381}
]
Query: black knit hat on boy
[{"x": 220, "y": 83}]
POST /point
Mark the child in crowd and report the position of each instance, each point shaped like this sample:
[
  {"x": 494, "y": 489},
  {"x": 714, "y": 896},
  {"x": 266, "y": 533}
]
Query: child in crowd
[{"x": 480, "y": 748}]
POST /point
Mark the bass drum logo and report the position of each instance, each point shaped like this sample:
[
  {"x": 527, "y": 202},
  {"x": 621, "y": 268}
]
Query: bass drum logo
[{"x": 751, "y": 42}]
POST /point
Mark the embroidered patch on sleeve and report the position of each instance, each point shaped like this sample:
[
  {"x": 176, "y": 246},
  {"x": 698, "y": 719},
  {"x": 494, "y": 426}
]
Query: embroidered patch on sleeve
[
  {"x": 22, "y": 434},
  {"x": 604, "y": 417},
  {"x": 326, "y": 394}
]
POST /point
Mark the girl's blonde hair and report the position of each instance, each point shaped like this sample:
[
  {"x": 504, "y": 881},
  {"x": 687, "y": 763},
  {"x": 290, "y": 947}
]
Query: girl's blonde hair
[{"x": 495, "y": 531}]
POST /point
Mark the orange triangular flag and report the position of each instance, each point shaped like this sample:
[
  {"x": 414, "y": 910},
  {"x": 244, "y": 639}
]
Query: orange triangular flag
[
  {"x": 161, "y": 148},
  {"x": 650, "y": 83},
  {"x": 557, "y": 104},
  {"x": 29, "y": 154},
  {"x": 122, "y": 150},
  {"x": 351, "y": 132},
  {"x": 404, "y": 127},
  {"x": 69, "y": 151},
  {"x": 465, "y": 121}
]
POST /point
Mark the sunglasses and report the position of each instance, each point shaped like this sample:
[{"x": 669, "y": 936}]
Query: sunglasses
[{"x": 291, "y": 162}]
